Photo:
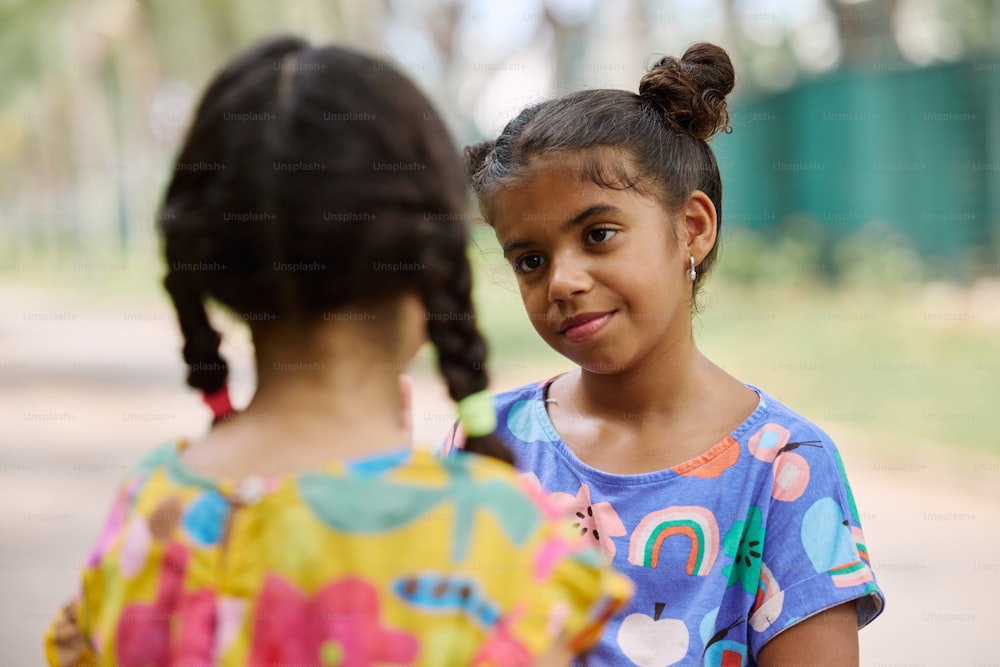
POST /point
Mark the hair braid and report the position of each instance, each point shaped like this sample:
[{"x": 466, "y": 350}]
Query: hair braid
[
  {"x": 451, "y": 327},
  {"x": 207, "y": 370}
]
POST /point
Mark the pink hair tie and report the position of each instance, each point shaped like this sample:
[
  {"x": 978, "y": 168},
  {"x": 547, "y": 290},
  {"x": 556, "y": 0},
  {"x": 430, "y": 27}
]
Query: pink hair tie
[{"x": 219, "y": 402}]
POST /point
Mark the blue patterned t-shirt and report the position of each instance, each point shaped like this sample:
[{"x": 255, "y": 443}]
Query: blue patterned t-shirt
[{"x": 726, "y": 550}]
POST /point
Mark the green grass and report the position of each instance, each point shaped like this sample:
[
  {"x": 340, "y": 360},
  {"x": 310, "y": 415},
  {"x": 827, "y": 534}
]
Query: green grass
[{"x": 862, "y": 360}]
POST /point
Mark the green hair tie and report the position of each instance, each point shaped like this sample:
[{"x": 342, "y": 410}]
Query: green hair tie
[{"x": 477, "y": 414}]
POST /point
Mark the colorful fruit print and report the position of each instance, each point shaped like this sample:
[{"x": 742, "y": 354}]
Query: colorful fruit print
[
  {"x": 726, "y": 653},
  {"x": 720, "y": 651},
  {"x": 791, "y": 470},
  {"x": 524, "y": 424},
  {"x": 599, "y": 521},
  {"x": 744, "y": 542},
  {"x": 769, "y": 601},
  {"x": 826, "y": 536},
  {"x": 653, "y": 641},
  {"x": 791, "y": 477},
  {"x": 768, "y": 441}
]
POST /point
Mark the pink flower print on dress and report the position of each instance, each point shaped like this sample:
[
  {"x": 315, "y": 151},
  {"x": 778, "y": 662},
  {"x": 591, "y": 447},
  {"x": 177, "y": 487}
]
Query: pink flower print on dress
[
  {"x": 338, "y": 625},
  {"x": 502, "y": 648},
  {"x": 198, "y": 617},
  {"x": 599, "y": 520},
  {"x": 176, "y": 628},
  {"x": 143, "y": 635}
]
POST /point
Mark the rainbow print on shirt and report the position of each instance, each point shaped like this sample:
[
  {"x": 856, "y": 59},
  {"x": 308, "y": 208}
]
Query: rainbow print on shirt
[{"x": 696, "y": 523}]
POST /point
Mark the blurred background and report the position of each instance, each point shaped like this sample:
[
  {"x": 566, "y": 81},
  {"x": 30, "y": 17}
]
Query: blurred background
[{"x": 859, "y": 276}]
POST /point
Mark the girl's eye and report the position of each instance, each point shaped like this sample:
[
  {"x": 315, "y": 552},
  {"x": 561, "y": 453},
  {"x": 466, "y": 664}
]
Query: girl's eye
[
  {"x": 528, "y": 263},
  {"x": 600, "y": 235}
]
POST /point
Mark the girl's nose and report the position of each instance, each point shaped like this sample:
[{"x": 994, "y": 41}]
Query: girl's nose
[{"x": 567, "y": 278}]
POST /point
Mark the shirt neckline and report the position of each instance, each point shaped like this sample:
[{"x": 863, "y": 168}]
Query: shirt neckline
[
  {"x": 680, "y": 470},
  {"x": 181, "y": 472}
]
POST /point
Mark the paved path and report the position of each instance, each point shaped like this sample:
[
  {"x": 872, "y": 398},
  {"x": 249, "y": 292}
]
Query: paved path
[{"x": 85, "y": 390}]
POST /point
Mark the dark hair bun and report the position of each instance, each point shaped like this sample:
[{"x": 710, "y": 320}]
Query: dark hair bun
[
  {"x": 475, "y": 156},
  {"x": 691, "y": 92}
]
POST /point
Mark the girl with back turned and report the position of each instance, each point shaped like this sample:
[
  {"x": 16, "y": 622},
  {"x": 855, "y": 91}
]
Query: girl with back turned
[{"x": 317, "y": 196}]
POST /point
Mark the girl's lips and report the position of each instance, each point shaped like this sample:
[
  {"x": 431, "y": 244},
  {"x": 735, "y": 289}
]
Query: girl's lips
[{"x": 581, "y": 328}]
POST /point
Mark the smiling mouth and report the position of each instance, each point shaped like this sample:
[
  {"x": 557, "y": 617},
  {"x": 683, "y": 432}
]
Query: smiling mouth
[{"x": 580, "y": 328}]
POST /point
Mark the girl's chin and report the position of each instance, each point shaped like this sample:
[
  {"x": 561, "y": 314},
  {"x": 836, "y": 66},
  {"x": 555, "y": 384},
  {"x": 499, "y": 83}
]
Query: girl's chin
[{"x": 600, "y": 367}]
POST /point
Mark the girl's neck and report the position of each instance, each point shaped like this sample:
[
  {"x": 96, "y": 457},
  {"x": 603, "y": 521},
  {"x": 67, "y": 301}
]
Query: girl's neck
[
  {"x": 653, "y": 416},
  {"x": 327, "y": 391},
  {"x": 343, "y": 382},
  {"x": 661, "y": 385}
]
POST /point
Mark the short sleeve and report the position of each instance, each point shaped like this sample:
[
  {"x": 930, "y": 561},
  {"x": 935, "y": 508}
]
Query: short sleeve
[
  {"x": 572, "y": 593},
  {"x": 588, "y": 587},
  {"x": 68, "y": 637},
  {"x": 814, "y": 555}
]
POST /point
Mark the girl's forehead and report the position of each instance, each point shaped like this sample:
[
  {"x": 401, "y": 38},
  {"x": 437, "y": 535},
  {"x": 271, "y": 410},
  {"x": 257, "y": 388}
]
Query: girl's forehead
[
  {"x": 603, "y": 165},
  {"x": 560, "y": 180},
  {"x": 559, "y": 197},
  {"x": 547, "y": 196}
]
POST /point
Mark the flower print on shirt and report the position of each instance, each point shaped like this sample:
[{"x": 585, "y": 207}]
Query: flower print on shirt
[
  {"x": 745, "y": 543},
  {"x": 599, "y": 520}
]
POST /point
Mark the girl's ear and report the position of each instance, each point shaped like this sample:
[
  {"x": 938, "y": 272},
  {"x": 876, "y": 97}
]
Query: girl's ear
[{"x": 699, "y": 222}]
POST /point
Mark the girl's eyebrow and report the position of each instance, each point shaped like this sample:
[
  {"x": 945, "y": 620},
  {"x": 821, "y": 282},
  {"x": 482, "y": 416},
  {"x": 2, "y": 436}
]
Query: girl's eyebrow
[{"x": 582, "y": 216}]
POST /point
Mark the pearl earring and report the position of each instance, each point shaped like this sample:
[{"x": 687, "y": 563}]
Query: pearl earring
[{"x": 692, "y": 274}]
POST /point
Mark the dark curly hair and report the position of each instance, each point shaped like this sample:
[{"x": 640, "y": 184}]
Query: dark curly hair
[
  {"x": 348, "y": 171},
  {"x": 664, "y": 129}
]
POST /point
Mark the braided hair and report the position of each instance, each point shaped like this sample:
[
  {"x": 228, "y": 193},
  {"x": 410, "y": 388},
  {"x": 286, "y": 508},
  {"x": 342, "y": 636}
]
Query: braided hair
[{"x": 329, "y": 160}]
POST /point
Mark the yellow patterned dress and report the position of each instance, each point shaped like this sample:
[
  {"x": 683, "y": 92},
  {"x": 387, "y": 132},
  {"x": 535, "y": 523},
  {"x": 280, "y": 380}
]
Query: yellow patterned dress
[{"x": 395, "y": 559}]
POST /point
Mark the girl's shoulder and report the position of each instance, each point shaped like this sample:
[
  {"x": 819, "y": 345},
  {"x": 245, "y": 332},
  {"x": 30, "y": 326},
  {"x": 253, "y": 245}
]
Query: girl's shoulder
[
  {"x": 775, "y": 415},
  {"x": 159, "y": 456},
  {"x": 532, "y": 390},
  {"x": 522, "y": 399}
]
